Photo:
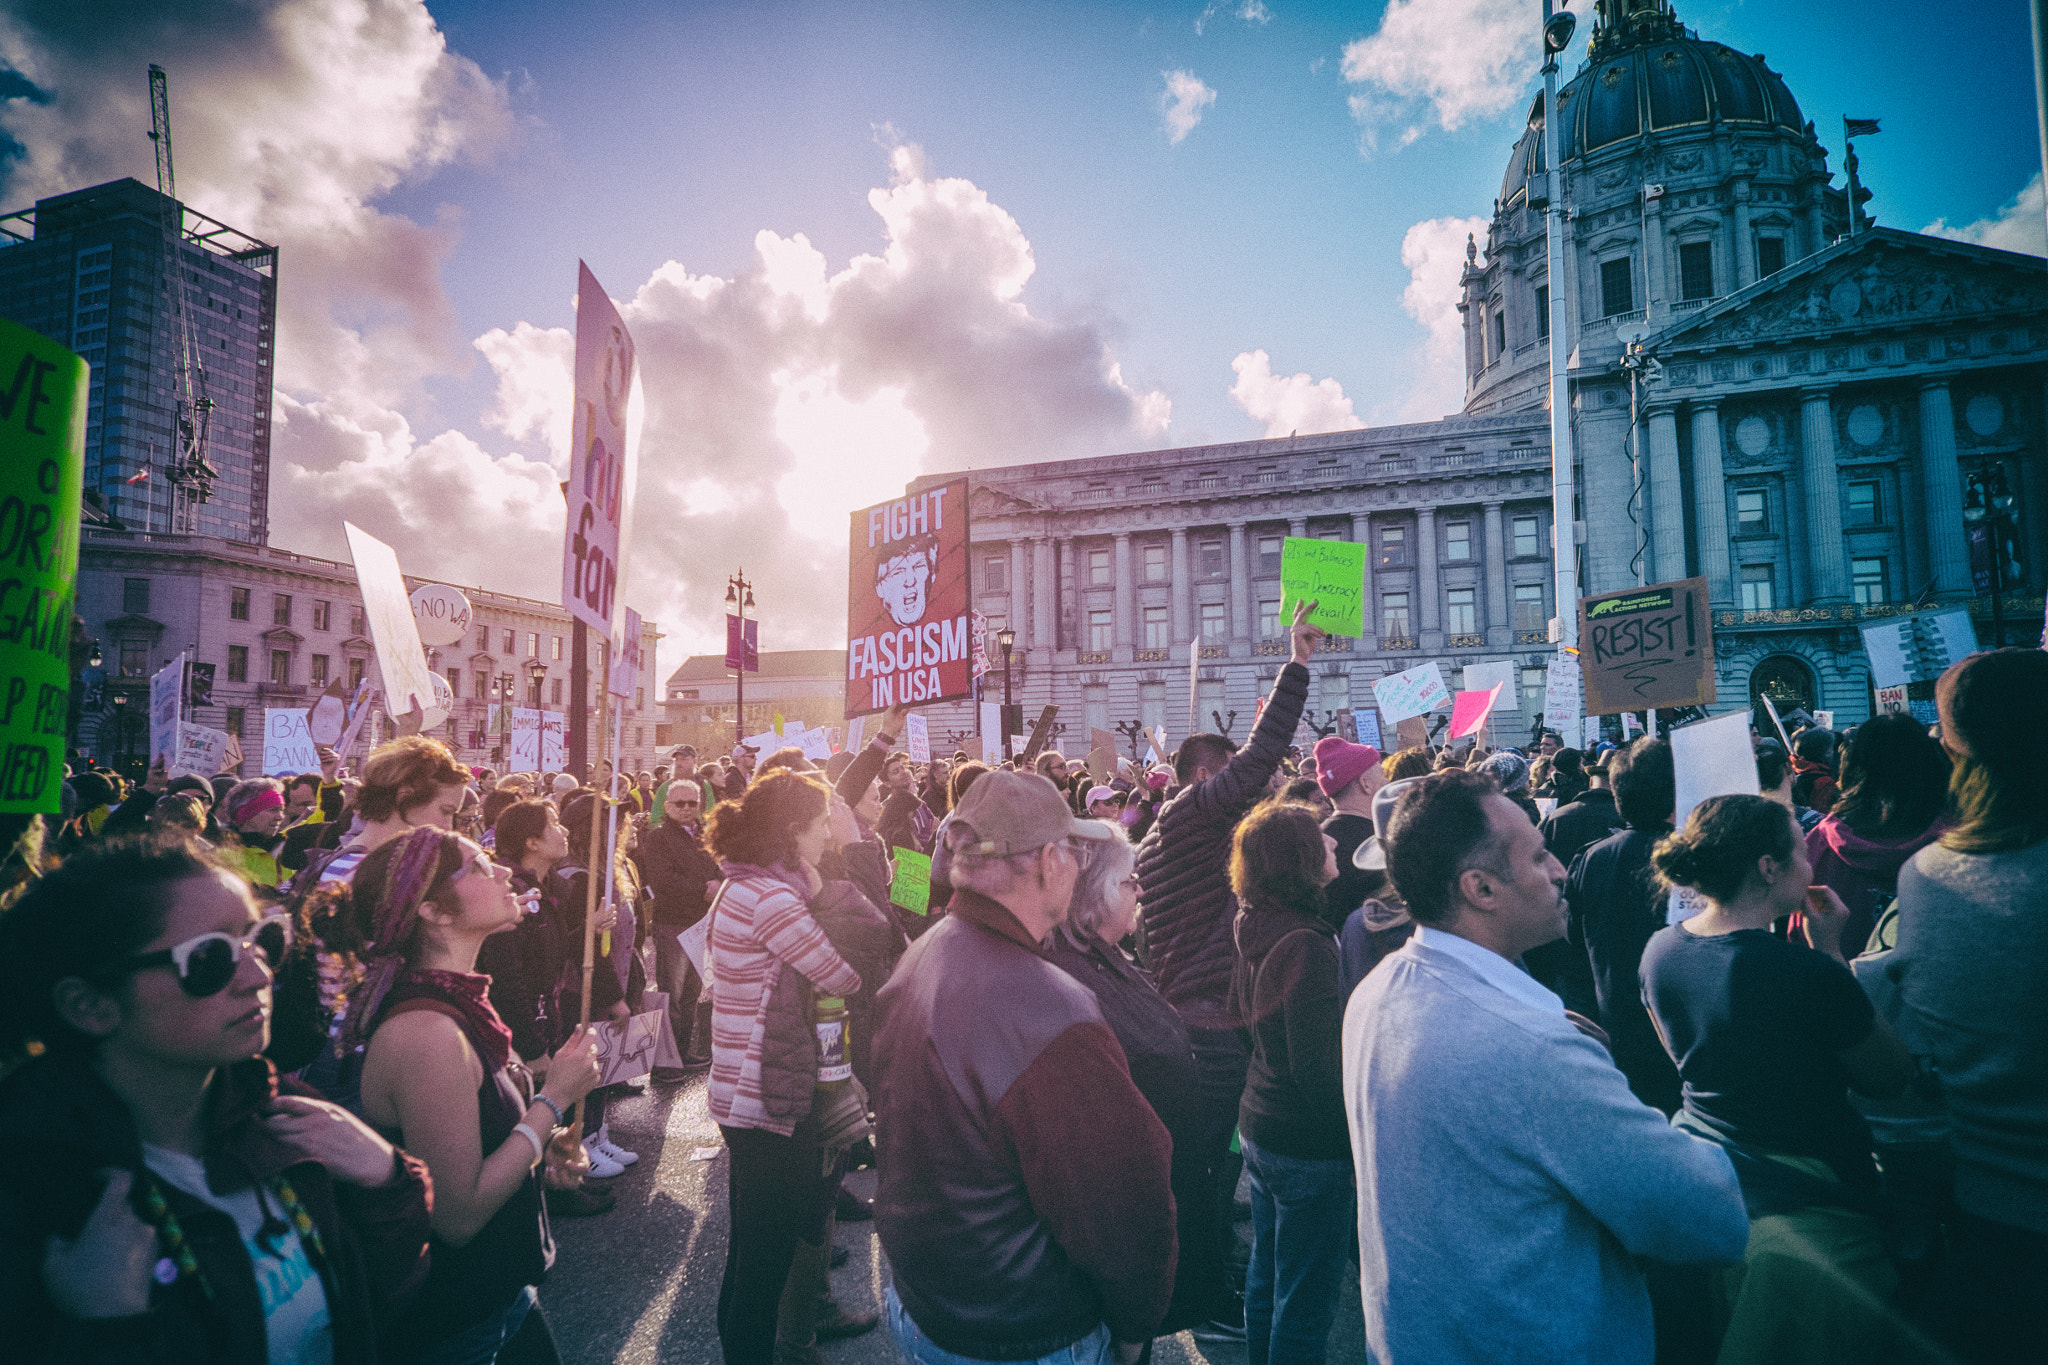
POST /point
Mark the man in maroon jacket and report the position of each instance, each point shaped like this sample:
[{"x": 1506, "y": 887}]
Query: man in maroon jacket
[{"x": 1024, "y": 1198}]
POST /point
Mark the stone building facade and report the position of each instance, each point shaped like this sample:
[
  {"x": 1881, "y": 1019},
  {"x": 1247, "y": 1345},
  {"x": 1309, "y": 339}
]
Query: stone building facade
[{"x": 807, "y": 687}]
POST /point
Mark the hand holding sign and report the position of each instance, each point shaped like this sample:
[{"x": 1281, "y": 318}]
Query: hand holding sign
[
  {"x": 1304, "y": 634},
  {"x": 1330, "y": 576}
]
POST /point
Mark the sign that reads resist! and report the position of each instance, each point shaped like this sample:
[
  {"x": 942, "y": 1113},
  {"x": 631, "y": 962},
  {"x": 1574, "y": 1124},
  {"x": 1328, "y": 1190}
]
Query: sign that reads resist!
[
  {"x": 1647, "y": 648},
  {"x": 906, "y": 611}
]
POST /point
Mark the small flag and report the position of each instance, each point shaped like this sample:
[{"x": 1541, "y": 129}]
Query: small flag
[
  {"x": 1859, "y": 127},
  {"x": 138, "y": 476}
]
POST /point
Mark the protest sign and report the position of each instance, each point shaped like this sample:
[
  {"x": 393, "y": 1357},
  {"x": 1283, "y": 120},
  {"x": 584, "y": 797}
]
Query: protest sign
[
  {"x": 816, "y": 744},
  {"x": 42, "y": 474},
  {"x": 1629, "y": 725},
  {"x": 1561, "y": 705},
  {"x": 1891, "y": 700},
  {"x": 1041, "y": 731},
  {"x": 695, "y": 940},
  {"x": 604, "y": 435},
  {"x": 626, "y": 1051},
  {"x": 1155, "y": 739},
  {"x": 204, "y": 751},
  {"x": 523, "y": 754},
  {"x": 1411, "y": 732},
  {"x": 1411, "y": 692},
  {"x": 287, "y": 744},
  {"x": 1329, "y": 573},
  {"x": 1101, "y": 754},
  {"x": 440, "y": 613},
  {"x": 1777, "y": 721},
  {"x": 917, "y": 736},
  {"x": 553, "y": 734},
  {"x": 408, "y": 682},
  {"x": 166, "y": 700},
  {"x": 912, "y": 888},
  {"x": 856, "y": 729},
  {"x": 1469, "y": 711},
  {"x": 626, "y": 657},
  {"x": 991, "y": 732},
  {"x": 1712, "y": 758},
  {"x": 1646, "y": 648},
  {"x": 1826, "y": 719},
  {"x": 1501, "y": 672},
  {"x": 358, "y": 712},
  {"x": 329, "y": 714},
  {"x": 1194, "y": 677},
  {"x": 906, "y": 608}
]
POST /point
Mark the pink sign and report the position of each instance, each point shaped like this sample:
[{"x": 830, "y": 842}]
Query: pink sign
[{"x": 1469, "y": 711}]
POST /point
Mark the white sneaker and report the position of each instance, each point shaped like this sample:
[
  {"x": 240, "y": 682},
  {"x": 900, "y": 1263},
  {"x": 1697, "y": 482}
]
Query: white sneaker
[
  {"x": 612, "y": 1149},
  {"x": 602, "y": 1167}
]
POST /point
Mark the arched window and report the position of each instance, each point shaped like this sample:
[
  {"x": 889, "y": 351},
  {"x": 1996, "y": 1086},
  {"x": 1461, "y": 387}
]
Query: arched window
[{"x": 1789, "y": 682}]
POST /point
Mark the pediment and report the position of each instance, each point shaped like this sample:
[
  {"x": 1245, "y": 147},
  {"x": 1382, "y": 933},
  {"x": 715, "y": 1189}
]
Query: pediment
[
  {"x": 1881, "y": 280},
  {"x": 357, "y": 642},
  {"x": 993, "y": 502},
  {"x": 135, "y": 623}
]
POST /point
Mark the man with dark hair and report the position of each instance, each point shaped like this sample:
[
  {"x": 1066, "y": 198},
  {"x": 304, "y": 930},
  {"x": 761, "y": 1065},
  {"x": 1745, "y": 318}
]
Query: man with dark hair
[
  {"x": 1617, "y": 902},
  {"x": 1186, "y": 907},
  {"x": 1499, "y": 1155},
  {"x": 1813, "y": 766}
]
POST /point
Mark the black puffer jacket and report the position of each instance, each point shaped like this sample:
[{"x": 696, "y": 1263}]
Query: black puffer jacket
[{"x": 1184, "y": 864}]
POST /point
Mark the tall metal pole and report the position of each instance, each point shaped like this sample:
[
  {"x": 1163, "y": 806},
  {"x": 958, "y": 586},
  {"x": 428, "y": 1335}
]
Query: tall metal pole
[
  {"x": 740, "y": 593},
  {"x": 1563, "y": 522},
  {"x": 1008, "y": 701}
]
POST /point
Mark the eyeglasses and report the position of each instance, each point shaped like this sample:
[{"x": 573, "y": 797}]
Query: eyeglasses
[
  {"x": 206, "y": 964},
  {"x": 480, "y": 864}
]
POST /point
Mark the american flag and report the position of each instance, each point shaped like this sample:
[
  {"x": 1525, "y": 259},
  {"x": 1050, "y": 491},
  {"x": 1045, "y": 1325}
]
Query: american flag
[{"x": 1859, "y": 127}]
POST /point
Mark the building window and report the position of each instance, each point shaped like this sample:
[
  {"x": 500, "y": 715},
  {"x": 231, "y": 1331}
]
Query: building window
[
  {"x": 355, "y": 674},
  {"x": 511, "y": 643},
  {"x": 1209, "y": 559},
  {"x": 1461, "y": 611},
  {"x": 1528, "y": 544},
  {"x": 1155, "y": 628},
  {"x": 995, "y": 573},
  {"x": 1333, "y": 692},
  {"x": 1863, "y": 505},
  {"x": 1500, "y": 333},
  {"x": 323, "y": 615},
  {"x": 1696, "y": 270},
  {"x": 280, "y": 609},
  {"x": 356, "y": 622},
  {"x": 1098, "y": 568},
  {"x": 1866, "y": 581},
  {"x": 1770, "y": 255},
  {"x": 1269, "y": 618},
  {"x": 1529, "y": 613},
  {"x": 1542, "y": 312},
  {"x": 1394, "y": 615},
  {"x": 557, "y": 648},
  {"x": 1213, "y": 629},
  {"x": 533, "y": 644},
  {"x": 1155, "y": 563},
  {"x": 1099, "y": 630},
  {"x": 480, "y": 684},
  {"x": 1393, "y": 545},
  {"x": 234, "y": 721},
  {"x": 555, "y": 691},
  {"x": 1269, "y": 556},
  {"x": 135, "y": 596},
  {"x": 135, "y": 658},
  {"x": 238, "y": 663},
  {"x": 639, "y": 697},
  {"x": 1458, "y": 540},
  {"x": 1751, "y": 514},
  {"x": 1151, "y": 705},
  {"x": 238, "y": 604},
  {"x": 281, "y": 667},
  {"x": 1095, "y": 706},
  {"x": 454, "y": 682},
  {"x": 1535, "y": 684},
  {"x": 317, "y": 676},
  {"x": 1756, "y": 587},
  {"x": 1617, "y": 288},
  {"x": 483, "y": 639}
]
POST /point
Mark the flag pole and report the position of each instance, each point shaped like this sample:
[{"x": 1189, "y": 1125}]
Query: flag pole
[{"x": 590, "y": 870}]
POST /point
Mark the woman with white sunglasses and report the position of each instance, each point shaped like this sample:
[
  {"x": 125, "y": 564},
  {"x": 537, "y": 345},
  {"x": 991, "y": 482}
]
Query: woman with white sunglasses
[{"x": 179, "y": 1207}]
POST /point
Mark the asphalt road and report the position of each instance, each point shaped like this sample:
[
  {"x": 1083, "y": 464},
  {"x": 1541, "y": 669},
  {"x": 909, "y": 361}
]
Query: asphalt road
[{"x": 639, "y": 1285}]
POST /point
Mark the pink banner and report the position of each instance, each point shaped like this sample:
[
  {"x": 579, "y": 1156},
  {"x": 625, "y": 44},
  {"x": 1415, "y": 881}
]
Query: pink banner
[{"x": 1469, "y": 711}]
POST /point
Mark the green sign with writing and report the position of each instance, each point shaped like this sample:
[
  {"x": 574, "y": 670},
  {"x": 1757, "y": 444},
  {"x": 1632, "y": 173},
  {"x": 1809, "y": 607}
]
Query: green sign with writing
[
  {"x": 1329, "y": 573},
  {"x": 42, "y": 479},
  {"x": 912, "y": 888}
]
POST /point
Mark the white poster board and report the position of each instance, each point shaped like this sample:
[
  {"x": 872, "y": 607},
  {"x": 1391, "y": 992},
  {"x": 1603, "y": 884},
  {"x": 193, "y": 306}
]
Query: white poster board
[
  {"x": 166, "y": 697},
  {"x": 524, "y": 754},
  {"x": 554, "y": 752},
  {"x": 1562, "y": 702},
  {"x": 626, "y": 657},
  {"x": 917, "y": 734},
  {"x": 408, "y": 682},
  {"x": 855, "y": 730},
  {"x": 603, "y": 444},
  {"x": 1712, "y": 758},
  {"x": 991, "y": 733},
  {"x": 1411, "y": 692},
  {"x": 201, "y": 750},
  {"x": 1891, "y": 700},
  {"x": 288, "y": 744}
]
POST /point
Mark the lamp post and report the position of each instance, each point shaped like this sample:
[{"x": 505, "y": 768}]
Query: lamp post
[
  {"x": 1557, "y": 35},
  {"x": 1988, "y": 505},
  {"x": 1007, "y": 639},
  {"x": 739, "y": 594},
  {"x": 536, "y": 673}
]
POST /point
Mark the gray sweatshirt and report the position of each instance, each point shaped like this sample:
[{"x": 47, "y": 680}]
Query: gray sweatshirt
[{"x": 1972, "y": 966}]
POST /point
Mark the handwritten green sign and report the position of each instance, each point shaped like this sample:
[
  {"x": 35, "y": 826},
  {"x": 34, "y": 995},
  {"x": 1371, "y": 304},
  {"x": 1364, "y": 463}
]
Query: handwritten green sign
[
  {"x": 42, "y": 480},
  {"x": 912, "y": 888},
  {"x": 1329, "y": 573}
]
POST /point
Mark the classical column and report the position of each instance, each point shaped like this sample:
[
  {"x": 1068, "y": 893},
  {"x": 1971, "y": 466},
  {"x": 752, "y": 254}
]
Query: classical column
[
  {"x": 1710, "y": 504},
  {"x": 1496, "y": 571},
  {"x": 1667, "y": 496},
  {"x": 1019, "y": 619},
  {"x": 1124, "y": 607},
  {"x": 1941, "y": 483},
  {"x": 1297, "y": 527},
  {"x": 1824, "y": 546},
  {"x": 1182, "y": 630},
  {"x": 1428, "y": 591},
  {"x": 1361, "y": 533},
  {"x": 1816, "y": 221},
  {"x": 1042, "y": 596},
  {"x": 1240, "y": 584},
  {"x": 1744, "y": 251}
]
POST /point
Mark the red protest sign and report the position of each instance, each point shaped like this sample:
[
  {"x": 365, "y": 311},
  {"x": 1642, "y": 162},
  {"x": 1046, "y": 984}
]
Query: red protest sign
[
  {"x": 1469, "y": 710},
  {"x": 907, "y": 602}
]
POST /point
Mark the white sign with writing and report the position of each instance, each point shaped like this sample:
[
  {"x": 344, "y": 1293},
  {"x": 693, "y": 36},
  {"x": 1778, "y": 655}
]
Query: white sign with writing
[
  {"x": 441, "y": 613},
  {"x": 919, "y": 738},
  {"x": 166, "y": 696},
  {"x": 288, "y": 744},
  {"x": 408, "y": 682},
  {"x": 1891, "y": 700},
  {"x": 200, "y": 750},
  {"x": 603, "y": 436},
  {"x": 524, "y": 754},
  {"x": 626, "y": 657},
  {"x": 553, "y": 741},
  {"x": 1411, "y": 692}
]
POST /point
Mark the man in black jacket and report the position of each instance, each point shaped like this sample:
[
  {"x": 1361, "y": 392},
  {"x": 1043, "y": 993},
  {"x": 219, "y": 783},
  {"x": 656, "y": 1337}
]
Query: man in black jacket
[
  {"x": 683, "y": 877},
  {"x": 1577, "y": 825},
  {"x": 1184, "y": 899}
]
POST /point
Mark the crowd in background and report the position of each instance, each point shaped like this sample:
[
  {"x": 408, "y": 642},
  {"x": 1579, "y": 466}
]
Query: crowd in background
[{"x": 305, "y": 1066}]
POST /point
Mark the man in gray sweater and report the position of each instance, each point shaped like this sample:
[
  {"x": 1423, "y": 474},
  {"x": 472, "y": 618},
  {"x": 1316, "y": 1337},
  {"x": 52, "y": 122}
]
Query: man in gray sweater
[{"x": 1507, "y": 1178}]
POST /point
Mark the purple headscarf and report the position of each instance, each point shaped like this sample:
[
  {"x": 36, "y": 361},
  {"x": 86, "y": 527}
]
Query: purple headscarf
[{"x": 412, "y": 874}]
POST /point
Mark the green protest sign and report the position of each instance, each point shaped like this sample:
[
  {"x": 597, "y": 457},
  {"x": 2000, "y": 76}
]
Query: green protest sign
[
  {"x": 1329, "y": 573},
  {"x": 912, "y": 888},
  {"x": 42, "y": 479}
]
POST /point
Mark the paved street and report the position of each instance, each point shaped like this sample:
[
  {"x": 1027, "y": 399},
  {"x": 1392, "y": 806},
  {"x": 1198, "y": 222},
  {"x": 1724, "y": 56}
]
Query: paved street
[{"x": 639, "y": 1285}]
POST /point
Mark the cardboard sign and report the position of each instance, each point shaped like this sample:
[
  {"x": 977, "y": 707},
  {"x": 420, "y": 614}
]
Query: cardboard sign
[
  {"x": 1647, "y": 648},
  {"x": 1469, "y": 711},
  {"x": 523, "y": 754},
  {"x": 603, "y": 453},
  {"x": 1712, "y": 758},
  {"x": 1041, "y": 731},
  {"x": 42, "y": 477},
  {"x": 906, "y": 609},
  {"x": 1329, "y": 573},
  {"x": 626, "y": 1050},
  {"x": 554, "y": 749},
  {"x": 408, "y": 682},
  {"x": 917, "y": 736},
  {"x": 166, "y": 698},
  {"x": 1411, "y": 692},
  {"x": 1891, "y": 700},
  {"x": 288, "y": 744},
  {"x": 1101, "y": 754},
  {"x": 626, "y": 657},
  {"x": 1412, "y": 732},
  {"x": 204, "y": 751},
  {"x": 912, "y": 888}
]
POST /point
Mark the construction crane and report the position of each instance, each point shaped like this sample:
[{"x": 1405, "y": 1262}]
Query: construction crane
[{"x": 190, "y": 475}]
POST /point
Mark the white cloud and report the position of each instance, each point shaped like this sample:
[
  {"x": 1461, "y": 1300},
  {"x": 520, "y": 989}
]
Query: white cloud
[
  {"x": 1289, "y": 404},
  {"x": 1251, "y": 11},
  {"x": 2022, "y": 225},
  {"x": 536, "y": 386},
  {"x": 1182, "y": 103},
  {"x": 1449, "y": 61},
  {"x": 1434, "y": 253}
]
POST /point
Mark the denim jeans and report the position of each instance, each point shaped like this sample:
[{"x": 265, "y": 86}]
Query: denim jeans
[
  {"x": 1302, "y": 1214},
  {"x": 1221, "y": 1060},
  {"x": 479, "y": 1345},
  {"x": 918, "y": 1349}
]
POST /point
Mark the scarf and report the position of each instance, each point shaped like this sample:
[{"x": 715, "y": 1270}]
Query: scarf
[
  {"x": 412, "y": 873},
  {"x": 465, "y": 992}
]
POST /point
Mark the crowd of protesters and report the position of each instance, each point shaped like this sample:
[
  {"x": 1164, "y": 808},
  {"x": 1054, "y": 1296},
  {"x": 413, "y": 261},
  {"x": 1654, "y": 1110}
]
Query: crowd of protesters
[{"x": 1546, "y": 1074}]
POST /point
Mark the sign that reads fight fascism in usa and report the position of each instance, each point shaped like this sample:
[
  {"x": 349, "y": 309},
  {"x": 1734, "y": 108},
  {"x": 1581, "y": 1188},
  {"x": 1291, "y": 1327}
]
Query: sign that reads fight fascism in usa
[{"x": 906, "y": 610}]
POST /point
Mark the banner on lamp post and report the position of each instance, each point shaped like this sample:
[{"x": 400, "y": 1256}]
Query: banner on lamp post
[{"x": 742, "y": 646}]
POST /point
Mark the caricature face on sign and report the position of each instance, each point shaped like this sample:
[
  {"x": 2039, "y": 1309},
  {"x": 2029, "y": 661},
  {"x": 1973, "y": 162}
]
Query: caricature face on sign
[
  {"x": 903, "y": 581},
  {"x": 907, "y": 602}
]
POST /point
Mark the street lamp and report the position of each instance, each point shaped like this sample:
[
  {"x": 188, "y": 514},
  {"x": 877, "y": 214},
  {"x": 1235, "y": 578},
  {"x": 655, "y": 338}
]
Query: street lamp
[
  {"x": 739, "y": 595},
  {"x": 1988, "y": 505},
  {"x": 537, "y": 672},
  {"x": 1557, "y": 35},
  {"x": 1007, "y": 639}
]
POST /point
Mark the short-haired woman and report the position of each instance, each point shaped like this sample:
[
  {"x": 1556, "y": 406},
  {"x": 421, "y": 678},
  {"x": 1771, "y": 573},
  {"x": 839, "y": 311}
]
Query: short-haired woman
[
  {"x": 180, "y": 1201},
  {"x": 1287, "y": 991},
  {"x": 439, "y": 1076},
  {"x": 767, "y": 955},
  {"x": 410, "y": 783},
  {"x": 1088, "y": 947},
  {"x": 1769, "y": 1036}
]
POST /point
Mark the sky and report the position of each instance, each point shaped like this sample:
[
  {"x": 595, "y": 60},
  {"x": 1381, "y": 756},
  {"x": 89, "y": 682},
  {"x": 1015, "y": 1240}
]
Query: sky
[{"x": 857, "y": 240}]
